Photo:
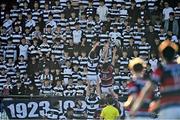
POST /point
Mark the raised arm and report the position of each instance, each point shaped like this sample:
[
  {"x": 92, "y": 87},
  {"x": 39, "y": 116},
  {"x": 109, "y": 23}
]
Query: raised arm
[{"x": 114, "y": 55}]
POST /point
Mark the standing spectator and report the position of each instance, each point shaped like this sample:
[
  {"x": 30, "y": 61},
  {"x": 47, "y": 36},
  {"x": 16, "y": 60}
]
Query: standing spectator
[
  {"x": 4, "y": 36},
  {"x": 166, "y": 11},
  {"x": 7, "y": 87},
  {"x": 27, "y": 35},
  {"x": 132, "y": 12},
  {"x": 177, "y": 11},
  {"x": 90, "y": 10},
  {"x": 33, "y": 50},
  {"x": 115, "y": 36},
  {"x": 58, "y": 48},
  {"x": 51, "y": 21},
  {"x": 114, "y": 11},
  {"x": 45, "y": 47},
  {"x": 3, "y": 10},
  {"x": 20, "y": 21},
  {"x": 123, "y": 11},
  {"x": 68, "y": 10},
  {"x": 143, "y": 11},
  {"x": 49, "y": 35},
  {"x": 16, "y": 35},
  {"x": 3, "y": 78},
  {"x": 10, "y": 50},
  {"x": 32, "y": 66},
  {"x": 7, "y": 23},
  {"x": 45, "y": 12},
  {"x": 36, "y": 12},
  {"x": 171, "y": 24},
  {"x": 25, "y": 8},
  {"x": 40, "y": 23},
  {"x": 102, "y": 11},
  {"x": 22, "y": 65},
  {"x": 23, "y": 49},
  {"x": 30, "y": 22},
  {"x": 37, "y": 34},
  {"x": 77, "y": 34},
  {"x": 57, "y": 9}
]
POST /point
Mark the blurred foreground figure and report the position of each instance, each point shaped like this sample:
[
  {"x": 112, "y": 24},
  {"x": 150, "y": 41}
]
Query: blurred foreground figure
[
  {"x": 137, "y": 67},
  {"x": 168, "y": 76}
]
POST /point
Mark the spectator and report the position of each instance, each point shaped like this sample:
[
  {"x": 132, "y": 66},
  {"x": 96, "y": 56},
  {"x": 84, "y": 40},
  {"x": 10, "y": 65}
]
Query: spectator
[
  {"x": 68, "y": 10},
  {"x": 46, "y": 75},
  {"x": 30, "y": 22},
  {"x": 46, "y": 88},
  {"x": 7, "y": 23},
  {"x": 171, "y": 24},
  {"x": 166, "y": 11},
  {"x": 77, "y": 34},
  {"x": 23, "y": 49},
  {"x": 18, "y": 89},
  {"x": 32, "y": 90},
  {"x": 58, "y": 89},
  {"x": 90, "y": 10},
  {"x": 102, "y": 11},
  {"x": 20, "y": 21},
  {"x": 32, "y": 66},
  {"x": 132, "y": 12}
]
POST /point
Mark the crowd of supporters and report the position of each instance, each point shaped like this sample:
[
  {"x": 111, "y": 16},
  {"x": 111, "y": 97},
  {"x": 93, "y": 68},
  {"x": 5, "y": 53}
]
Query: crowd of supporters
[{"x": 45, "y": 44}]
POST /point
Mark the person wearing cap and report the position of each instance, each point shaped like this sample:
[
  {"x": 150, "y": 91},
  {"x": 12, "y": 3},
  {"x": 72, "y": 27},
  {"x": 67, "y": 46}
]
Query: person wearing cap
[
  {"x": 137, "y": 67},
  {"x": 168, "y": 76}
]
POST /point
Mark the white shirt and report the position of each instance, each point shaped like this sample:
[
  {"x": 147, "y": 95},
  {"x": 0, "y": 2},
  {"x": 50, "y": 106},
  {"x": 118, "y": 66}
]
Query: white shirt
[
  {"x": 153, "y": 63},
  {"x": 23, "y": 50},
  {"x": 102, "y": 11},
  {"x": 166, "y": 12},
  {"x": 30, "y": 23},
  {"x": 77, "y": 34}
]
